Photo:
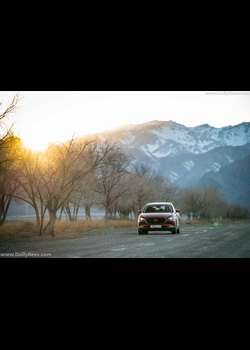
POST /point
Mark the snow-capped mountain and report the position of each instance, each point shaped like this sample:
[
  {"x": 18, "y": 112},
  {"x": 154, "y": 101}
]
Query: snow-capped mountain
[
  {"x": 159, "y": 139},
  {"x": 237, "y": 135},
  {"x": 184, "y": 154}
]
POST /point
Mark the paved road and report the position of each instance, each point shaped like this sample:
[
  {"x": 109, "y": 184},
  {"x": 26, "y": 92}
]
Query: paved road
[{"x": 198, "y": 241}]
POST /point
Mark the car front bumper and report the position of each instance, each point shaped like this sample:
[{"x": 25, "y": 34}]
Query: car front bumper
[{"x": 162, "y": 228}]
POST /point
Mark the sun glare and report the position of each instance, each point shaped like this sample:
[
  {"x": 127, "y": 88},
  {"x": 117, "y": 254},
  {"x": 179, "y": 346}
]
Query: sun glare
[{"x": 34, "y": 142}]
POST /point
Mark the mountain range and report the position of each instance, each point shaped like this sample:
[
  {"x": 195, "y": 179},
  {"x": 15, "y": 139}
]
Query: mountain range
[
  {"x": 160, "y": 139},
  {"x": 191, "y": 156}
]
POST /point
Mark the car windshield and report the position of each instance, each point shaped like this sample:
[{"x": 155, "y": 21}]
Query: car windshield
[{"x": 158, "y": 209}]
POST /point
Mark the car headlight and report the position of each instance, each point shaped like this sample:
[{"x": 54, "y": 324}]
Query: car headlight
[
  {"x": 142, "y": 219},
  {"x": 170, "y": 218}
]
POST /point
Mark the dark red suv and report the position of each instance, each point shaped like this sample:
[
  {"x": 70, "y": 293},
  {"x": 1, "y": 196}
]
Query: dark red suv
[{"x": 158, "y": 217}]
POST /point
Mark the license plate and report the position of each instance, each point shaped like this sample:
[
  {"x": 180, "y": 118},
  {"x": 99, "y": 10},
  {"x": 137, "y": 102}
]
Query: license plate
[{"x": 155, "y": 226}]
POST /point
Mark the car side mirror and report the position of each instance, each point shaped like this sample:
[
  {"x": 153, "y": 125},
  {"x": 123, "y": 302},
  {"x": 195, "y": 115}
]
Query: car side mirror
[
  {"x": 177, "y": 210},
  {"x": 139, "y": 211}
]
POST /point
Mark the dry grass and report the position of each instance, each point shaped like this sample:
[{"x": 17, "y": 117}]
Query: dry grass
[
  {"x": 83, "y": 225},
  {"x": 18, "y": 228},
  {"x": 77, "y": 226}
]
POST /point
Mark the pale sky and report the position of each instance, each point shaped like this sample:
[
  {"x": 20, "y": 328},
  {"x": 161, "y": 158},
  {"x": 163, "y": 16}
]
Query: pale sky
[{"x": 46, "y": 116}]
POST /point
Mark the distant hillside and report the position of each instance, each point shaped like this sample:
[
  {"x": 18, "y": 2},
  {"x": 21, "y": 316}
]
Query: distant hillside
[
  {"x": 186, "y": 169},
  {"x": 234, "y": 181}
]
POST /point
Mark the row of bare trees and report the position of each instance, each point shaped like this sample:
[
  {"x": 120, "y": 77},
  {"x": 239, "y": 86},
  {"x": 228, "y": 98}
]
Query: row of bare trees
[
  {"x": 143, "y": 186},
  {"x": 201, "y": 202},
  {"x": 78, "y": 172},
  {"x": 207, "y": 203},
  {"x": 62, "y": 174},
  {"x": 119, "y": 187}
]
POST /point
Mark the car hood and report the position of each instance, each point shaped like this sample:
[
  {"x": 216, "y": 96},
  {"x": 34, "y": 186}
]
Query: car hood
[{"x": 156, "y": 215}]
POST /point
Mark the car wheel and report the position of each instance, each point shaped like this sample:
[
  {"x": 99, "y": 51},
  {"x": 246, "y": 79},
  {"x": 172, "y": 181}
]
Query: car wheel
[
  {"x": 179, "y": 229},
  {"x": 142, "y": 232},
  {"x": 174, "y": 231}
]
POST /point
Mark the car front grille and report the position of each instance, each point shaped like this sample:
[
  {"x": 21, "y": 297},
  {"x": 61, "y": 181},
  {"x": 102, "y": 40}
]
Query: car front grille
[{"x": 156, "y": 221}]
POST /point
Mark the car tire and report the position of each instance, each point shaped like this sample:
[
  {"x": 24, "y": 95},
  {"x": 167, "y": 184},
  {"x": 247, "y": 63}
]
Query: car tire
[
  {"x": 179, "y": 229},
  {"x": 174, "y": 231},
  {"x": 142, "y": 232}
]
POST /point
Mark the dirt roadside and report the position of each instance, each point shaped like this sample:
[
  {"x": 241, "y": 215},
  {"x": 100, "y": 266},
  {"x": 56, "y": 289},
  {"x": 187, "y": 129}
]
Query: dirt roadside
[{"x": 29, "y": 237}]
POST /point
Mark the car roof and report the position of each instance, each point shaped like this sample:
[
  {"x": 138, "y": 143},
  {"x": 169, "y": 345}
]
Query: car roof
[{"x": 159, "y": 203}]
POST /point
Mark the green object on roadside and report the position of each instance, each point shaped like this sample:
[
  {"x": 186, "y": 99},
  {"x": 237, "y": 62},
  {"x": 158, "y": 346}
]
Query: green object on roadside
[{"x": 217, "y": 223}]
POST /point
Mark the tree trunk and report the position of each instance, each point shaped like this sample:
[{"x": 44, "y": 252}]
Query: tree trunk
[
  {"x": 106, "y": 218},
  {"x": 76, "y": 213},
  {"x": 60, "y": 216},
  {"x": 87, "y": 212},
  {"x": 4, "y": 210},
  {"x": 52, "y": 222},
  {"x": 43, "y": 211},
  {"x": 67, "y": 207},
  {"x": 38, "y": 221}
]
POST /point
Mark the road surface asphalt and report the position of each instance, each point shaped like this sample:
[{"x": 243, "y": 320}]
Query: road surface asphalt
[{"x": 226, "y": 240}]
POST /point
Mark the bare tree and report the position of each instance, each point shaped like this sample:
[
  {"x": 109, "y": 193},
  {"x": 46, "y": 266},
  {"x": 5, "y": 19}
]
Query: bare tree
[
  {"x": 8, "y": 184},
  {"x": 147, "y": 185},
  {"x": 124, "y": 206},
  {"x": 29, "y": 175},
  {"x": 211, "y": 202},
  {"x": 48, "y": 179},
  {"x": 191, "y": 201},
  {"x": 69, "y": 164},
  {"x": 9, "y": 148},
  {"x": 112, "y": 175},
  {"x": 6, "y": 130},
  {"x": 89, "y": 196},
  {"x": 83, "y": 196},
  {"x": 202, "y": 202},
  {"x": 170, "y": 191},
  {"x": 141, "y": 185},
  {"x": 237, "y": 211}
]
